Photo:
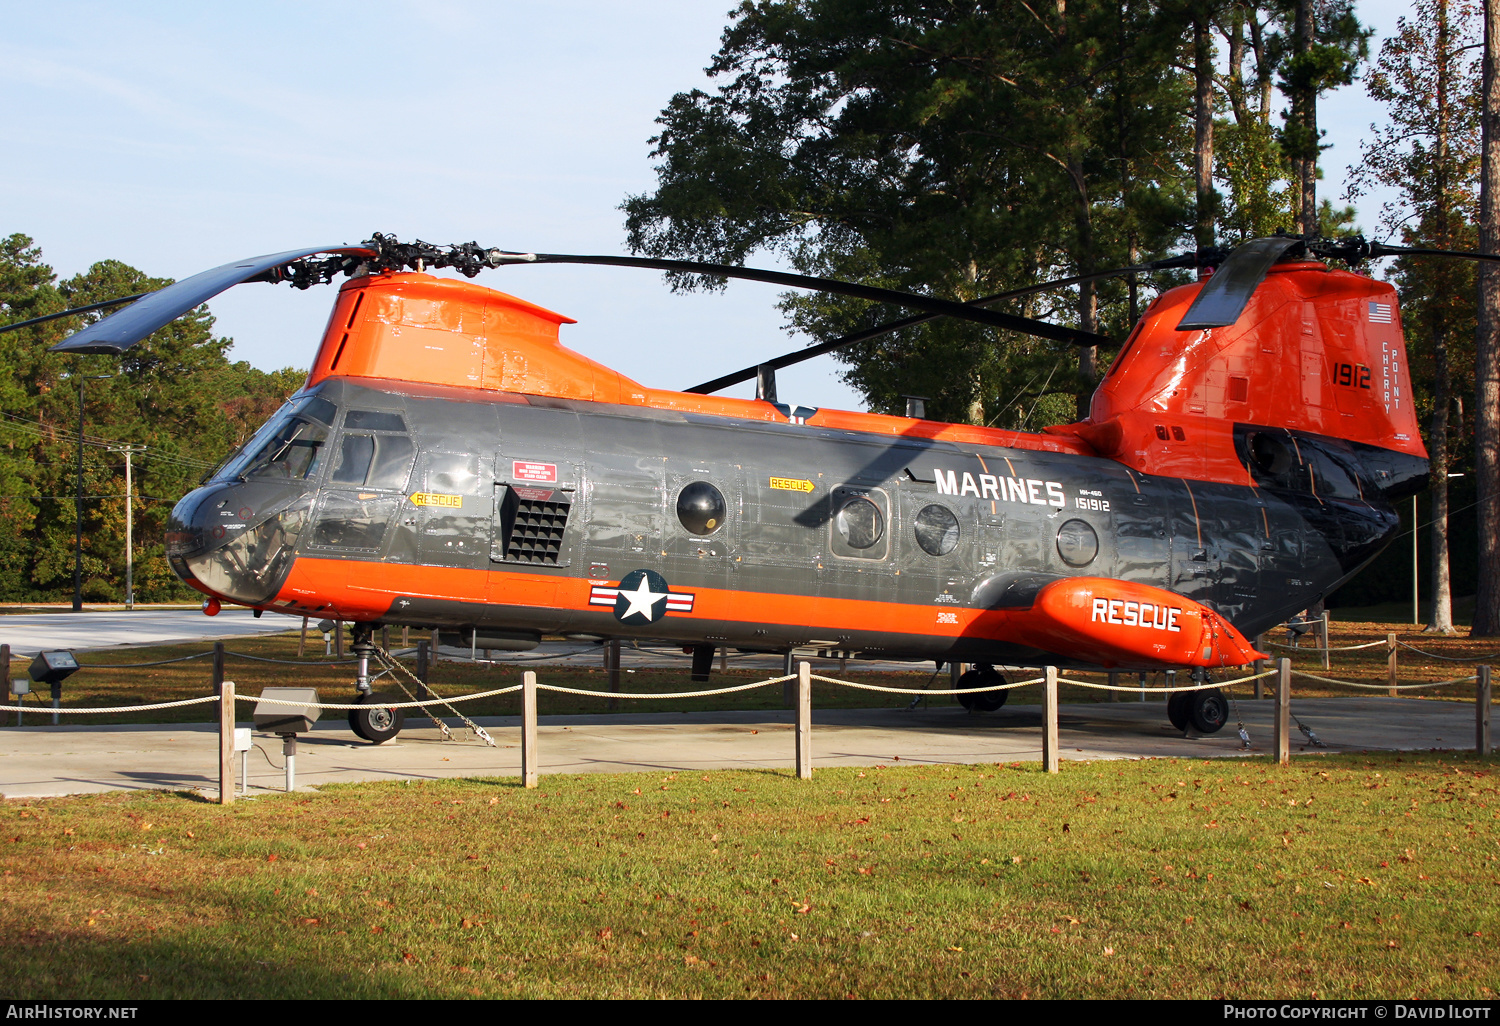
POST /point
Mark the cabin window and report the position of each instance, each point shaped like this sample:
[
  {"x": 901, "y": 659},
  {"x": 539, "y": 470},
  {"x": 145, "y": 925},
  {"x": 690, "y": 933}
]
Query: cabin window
[
  {"x": 1077, "y": 543},
  {"x": 701, "y": 508},
  {"x": 350, "y": 522},
  {"x": 860, "y": 523},
  {"x": 376, "y": 461},
  {"x": 937, "y": 530}
]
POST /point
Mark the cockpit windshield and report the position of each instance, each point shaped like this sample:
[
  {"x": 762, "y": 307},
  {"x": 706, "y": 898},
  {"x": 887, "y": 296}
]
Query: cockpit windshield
[{"x": 287, "y": 446}]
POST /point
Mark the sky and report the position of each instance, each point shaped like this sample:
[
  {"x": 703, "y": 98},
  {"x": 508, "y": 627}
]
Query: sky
[{"x": 180, "y": 136}]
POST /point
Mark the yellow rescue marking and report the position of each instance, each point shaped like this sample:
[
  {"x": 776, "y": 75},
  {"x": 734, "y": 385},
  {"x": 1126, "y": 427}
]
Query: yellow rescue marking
[
  {"x": 434, "y": 499},
  {"x": 791, "y": 484}
]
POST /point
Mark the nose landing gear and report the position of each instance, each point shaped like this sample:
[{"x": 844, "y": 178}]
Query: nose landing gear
[{"x": 377, "y": 723}]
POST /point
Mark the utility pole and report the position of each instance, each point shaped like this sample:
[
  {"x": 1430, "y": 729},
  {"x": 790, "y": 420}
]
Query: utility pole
[{"x": 129, "y": 450}]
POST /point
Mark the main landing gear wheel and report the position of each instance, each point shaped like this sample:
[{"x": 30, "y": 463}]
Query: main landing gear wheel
[
  {"x": 982, "y": 676},
  {"x": 377, "y": 723},
  {"x": 1206, "y": 711}
]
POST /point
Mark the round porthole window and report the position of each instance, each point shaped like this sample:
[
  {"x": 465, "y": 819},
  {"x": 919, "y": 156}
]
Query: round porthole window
[
  {"x": 700, "y": 507},
  {"x": 860, "y": 523},
  {"x": 1077, "y": 543},
  {"x": 937, "y": 530}
]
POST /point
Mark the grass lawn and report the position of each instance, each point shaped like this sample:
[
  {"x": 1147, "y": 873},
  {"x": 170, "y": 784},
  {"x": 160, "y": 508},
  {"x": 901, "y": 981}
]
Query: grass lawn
[{"x": 1339, "y": 877}]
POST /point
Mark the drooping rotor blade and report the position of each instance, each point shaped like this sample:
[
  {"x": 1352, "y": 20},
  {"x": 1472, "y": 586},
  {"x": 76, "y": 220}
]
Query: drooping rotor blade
[
  {"x": 118, "y": 332},
  {"x": 937, "y": 307},
  {"x": 1223, "y": 299},
  {"x": 1380, "y": 249},
  {"x": 68, "y": 313},
  {"x": 864, "y": 335}
]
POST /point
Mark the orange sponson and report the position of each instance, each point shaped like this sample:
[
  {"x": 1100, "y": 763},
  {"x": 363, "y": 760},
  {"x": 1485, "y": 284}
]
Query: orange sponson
[
  {"x": 1316, "y": 350},
  {"x": 1117, "y": 623}
]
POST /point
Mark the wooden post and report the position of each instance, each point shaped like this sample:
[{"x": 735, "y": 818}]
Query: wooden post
[
  {"x": 422, "y": 670},
  {"x": 804, "y": 720},
  {"x": 612, "y": 664},
  {"x": 528, "y": 728},
  {"x": 338, "y": 639},
  {"x": 405, "y": 636},
  {"x": 302, "y": 642},
  {"x": 5, "y": 678},
  {"x": 1283, "y": 711},
  {"x": 1049, "y": 721},
  {"x": 1114, "y": 680},
  {"x": 226, "y": 742},
  {"x": 788, "y": 688},
  {"x": 218, "y": 666},
  {"x": 723, "y": 658},
  {"x": 385, "y": 638},
  {"x": 1323, "y": 630},
  {"x": 1482, "y": 712},
  {"x": 1390, "y": 664}
]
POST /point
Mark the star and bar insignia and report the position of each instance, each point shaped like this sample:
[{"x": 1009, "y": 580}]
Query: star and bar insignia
[{"x": 641, "y": 597}]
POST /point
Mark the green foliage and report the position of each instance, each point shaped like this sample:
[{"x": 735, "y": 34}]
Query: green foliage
[
  {"x": 176, "y": 394},
  {"x": 959, "y": 149}
]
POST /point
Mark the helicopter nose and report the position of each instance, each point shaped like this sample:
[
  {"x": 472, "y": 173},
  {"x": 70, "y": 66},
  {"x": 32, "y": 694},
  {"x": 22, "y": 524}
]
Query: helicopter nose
[{"x": 234, "y": 542}]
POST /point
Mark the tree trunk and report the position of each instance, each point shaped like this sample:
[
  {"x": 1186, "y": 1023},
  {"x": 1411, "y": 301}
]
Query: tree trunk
[
  {"x": 1441, "y": 620},
  {"x": 1305, "y": 115},
  {"x": 1203, "y": 129},
  {"x": 1487, "y": 343}
]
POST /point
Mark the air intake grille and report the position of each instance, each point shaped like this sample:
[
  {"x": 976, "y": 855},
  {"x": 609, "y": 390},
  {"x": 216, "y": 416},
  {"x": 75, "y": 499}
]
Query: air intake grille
[{"x": 536, "y": 533}]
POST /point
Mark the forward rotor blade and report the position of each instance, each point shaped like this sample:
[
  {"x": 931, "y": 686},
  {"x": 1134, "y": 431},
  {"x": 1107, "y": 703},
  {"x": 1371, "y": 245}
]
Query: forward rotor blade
[
  {"x": 118, "y": 332},
  {"x": 936, "y": 307},
  {"x": 864, "y": 335},
  {"x": 1224, "y": 298},
  {"x": 68, "y": 313}
]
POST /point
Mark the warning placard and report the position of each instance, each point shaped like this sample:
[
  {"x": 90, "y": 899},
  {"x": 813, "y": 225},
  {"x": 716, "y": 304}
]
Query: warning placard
[{"x": 528, "y": 470}]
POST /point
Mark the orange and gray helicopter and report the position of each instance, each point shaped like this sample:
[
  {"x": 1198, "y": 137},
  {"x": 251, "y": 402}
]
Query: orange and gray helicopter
[{"x": 450, "y": 465}]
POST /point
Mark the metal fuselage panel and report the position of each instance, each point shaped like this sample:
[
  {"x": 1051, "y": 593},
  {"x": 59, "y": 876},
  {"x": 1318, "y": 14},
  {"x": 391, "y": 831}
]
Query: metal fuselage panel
[{"x": 781, "y": 568}]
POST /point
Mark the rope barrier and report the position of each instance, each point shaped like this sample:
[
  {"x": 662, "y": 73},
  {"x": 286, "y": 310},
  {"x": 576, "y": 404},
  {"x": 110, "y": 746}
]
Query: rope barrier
[
  {"x": 1166, "y": 690},
  {"x": 1451, "y": 659},
  {"x": 1383, "y": 687},
  {"x": 117, "y": 708},
  {"x": 924, "y": 691},
  {"x": 1331, "y": 648},
  {"x": 158, "y": 662},
  {"x": 345, "y": 706},
  {"x": 672, "y": 694}
]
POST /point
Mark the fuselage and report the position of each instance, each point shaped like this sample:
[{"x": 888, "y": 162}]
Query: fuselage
[{"x": 512, "y": 516}]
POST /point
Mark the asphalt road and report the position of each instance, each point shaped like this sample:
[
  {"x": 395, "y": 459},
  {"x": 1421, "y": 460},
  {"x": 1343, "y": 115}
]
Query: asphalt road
[
  {"x": 30, "y": 633},
  {"x": 43, "y": 760}
]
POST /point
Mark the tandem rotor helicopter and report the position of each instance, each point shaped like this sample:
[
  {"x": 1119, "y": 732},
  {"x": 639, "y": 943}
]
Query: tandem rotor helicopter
[{"x": 450, "y": 465}]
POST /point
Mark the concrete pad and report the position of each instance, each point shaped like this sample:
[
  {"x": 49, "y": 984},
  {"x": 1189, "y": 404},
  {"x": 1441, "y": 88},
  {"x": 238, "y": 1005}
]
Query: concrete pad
[
  {"x": 45, "y": 760},
  {"x": 30, "y": 633}
]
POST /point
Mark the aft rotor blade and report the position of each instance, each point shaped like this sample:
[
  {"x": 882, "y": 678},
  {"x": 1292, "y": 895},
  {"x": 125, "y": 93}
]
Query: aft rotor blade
[
  {"x": 934, "y": 306},
  {"x": 864, "y": 335},
  {"x": 1223, "y": 299},
  {"x": 76, "y": 310},
  {"x": 1380, "y": 249},
  {"x": 118, "y": 332}
]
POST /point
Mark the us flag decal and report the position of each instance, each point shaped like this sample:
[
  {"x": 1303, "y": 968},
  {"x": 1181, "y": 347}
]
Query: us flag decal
[{"x": 1380, "y": 313}]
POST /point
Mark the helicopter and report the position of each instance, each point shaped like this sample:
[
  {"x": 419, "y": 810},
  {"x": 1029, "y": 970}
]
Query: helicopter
[{"x": 450, "y": 465}]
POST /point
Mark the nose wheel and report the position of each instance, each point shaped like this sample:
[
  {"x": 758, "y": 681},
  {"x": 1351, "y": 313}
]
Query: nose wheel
[{"x": 377, "y": 722}]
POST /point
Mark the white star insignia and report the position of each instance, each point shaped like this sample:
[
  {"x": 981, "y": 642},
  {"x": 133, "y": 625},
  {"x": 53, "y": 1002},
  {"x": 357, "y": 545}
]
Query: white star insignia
[{"x": 641, "y": 599}]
